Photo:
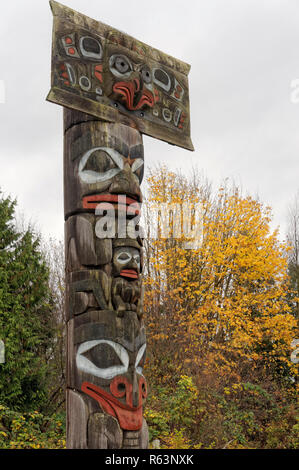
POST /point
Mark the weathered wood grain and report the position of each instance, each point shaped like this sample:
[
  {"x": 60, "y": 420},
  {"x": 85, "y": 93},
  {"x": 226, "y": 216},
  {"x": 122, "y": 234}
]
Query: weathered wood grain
[
  {"x": 105, "y": 333},
  {"x": 107, "y": 74}
]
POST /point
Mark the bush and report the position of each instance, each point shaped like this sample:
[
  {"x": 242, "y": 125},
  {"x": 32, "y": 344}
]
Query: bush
[{"x": 31, "y": 430}]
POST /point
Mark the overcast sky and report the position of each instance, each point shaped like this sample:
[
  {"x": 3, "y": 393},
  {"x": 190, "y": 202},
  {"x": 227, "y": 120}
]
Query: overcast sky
[{"x": 244, "y": 55}]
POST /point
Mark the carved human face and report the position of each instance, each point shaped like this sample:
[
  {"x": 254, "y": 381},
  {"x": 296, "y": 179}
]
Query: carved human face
[
  {"x": 126, "y": 262},
  {"x": 110, "y": 355},
  {"x": 104, "y": 163}
]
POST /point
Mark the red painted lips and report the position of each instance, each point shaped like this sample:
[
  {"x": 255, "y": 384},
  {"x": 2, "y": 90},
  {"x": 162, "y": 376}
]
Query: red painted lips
[
  {"x": 131, "y": 273},
  {"x": 128, "y": 203}
]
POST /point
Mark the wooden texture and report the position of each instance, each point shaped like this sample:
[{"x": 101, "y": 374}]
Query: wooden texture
[
  {"x": 106, "y": 343},
  {"x": 76, "y": 422},
  {"x": 107, "y": 74}
]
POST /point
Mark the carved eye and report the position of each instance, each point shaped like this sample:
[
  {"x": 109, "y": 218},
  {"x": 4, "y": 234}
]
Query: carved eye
[
  {"x": 100, "y": 164},
  {"x": 162, "y": 79},
  {"x": 120, "y": 65},
  {"x": 146, "y": 75},
  {"x": 102, "y": 358},
  {"x": 123, "y": 257}
]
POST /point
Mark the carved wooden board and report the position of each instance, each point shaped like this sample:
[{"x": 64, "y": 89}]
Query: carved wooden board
[{"x": 112, "y": 76}]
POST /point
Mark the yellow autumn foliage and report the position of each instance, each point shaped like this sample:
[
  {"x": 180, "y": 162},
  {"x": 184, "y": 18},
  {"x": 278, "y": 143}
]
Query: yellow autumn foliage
[{"x": 224, "y": 303}]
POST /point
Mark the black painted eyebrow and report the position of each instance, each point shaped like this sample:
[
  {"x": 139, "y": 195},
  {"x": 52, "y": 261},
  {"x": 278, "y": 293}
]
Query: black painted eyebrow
[
  {"x": 98, "y": 331},
  {"x": 86, "y": 143}
]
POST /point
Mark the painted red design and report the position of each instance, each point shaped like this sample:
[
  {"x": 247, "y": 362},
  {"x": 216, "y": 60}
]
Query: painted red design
[
  {"x": 98, "y": 72},
  {"x": 131, "y": 273},
  {"x": 129, "y": 204},
  {"x": 132, "y": 95},
  {"x": 129, "y": 416}
]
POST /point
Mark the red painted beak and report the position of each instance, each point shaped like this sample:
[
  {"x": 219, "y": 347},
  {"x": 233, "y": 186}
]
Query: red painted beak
[
  {"x": 129, "y": 417},
  {"x": 128, "y": 91}
]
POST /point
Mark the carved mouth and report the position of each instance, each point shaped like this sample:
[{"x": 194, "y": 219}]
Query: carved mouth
[
  {"x": 119, "y": 201},
  {"x": 133, "y": 98},
  {"x": 129, "y": 417},
  {"x": 130, "y": 273}
]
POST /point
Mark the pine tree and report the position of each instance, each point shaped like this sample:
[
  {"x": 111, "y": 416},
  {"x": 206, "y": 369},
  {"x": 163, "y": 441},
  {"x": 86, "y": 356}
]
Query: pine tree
[{"x": 25, "y": 314}]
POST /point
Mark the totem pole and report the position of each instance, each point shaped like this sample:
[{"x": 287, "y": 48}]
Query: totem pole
[{"x": 113, "y": 89}]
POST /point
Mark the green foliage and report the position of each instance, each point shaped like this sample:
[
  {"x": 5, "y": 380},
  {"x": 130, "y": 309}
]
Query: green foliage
[
  {"x": 25, "y": 314},
  {"x": 177, "y": 412},
  {"x": 31, "y": 430},
  {"x": 242, "y": 415}
]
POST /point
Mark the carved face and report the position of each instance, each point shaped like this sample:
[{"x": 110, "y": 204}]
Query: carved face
[
  {"x": 110, "y": 355},
  {"x": 132, "y": 82},
  {"x": 103, "y": 167},
  {"x": 105, "y": 73},
  {"x": 126, "y": 262}
]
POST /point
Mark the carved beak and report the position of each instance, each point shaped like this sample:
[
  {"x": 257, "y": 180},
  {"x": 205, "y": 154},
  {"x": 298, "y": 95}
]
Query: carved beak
[
  {"x": 133, "y": 97},
  {"x": 129, "y": 417}
]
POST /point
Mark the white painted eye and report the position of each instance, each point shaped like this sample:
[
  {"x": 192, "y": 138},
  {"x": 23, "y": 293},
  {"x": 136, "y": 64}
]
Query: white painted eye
[
  {"x": 139, "y": 357},
  {"x": 123, "y": 257},
  {"x": 120, "y": 66},
  {"x": 137, "y": 164},
  {"x": 91, "y": 176},
  {"x": 87, "y": 366}
]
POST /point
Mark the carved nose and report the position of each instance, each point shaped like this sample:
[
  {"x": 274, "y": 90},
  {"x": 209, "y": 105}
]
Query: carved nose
[
  {"x": 135, "y": 394},
  {"x": 125, "y": 183}
]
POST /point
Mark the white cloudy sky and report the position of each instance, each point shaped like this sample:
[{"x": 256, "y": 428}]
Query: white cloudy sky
[{"x": 244, "y": 55}]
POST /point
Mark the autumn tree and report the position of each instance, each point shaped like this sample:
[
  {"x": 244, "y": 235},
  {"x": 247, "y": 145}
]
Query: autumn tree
[
  {"x": 293, "y": 255},
  {"x": 218, "y": 313}
]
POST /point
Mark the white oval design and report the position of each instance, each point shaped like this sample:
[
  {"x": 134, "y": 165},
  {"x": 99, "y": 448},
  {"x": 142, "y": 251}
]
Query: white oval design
[
  {"x": 165, "y": 87},
  {"x": 84, "y": 87},
  {"x": 115, "y": 71},
  {"x": 92, "y": 55},
  {"x": 90, "y": 176},
  {"x": 85, "y": 365},
  {"x": 167, "y": 114}
]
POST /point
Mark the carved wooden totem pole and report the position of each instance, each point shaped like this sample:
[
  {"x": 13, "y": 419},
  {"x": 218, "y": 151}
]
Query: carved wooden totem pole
[{"x": 113, "y": 89}]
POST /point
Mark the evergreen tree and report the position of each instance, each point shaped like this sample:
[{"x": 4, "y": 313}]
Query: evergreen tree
[{"x": 25, "y": 314}]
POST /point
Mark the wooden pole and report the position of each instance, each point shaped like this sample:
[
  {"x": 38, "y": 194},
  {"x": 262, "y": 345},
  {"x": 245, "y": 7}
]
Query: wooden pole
[
  {"x": 106, "y": 389},
  {"x": 126, "y": 88}
]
